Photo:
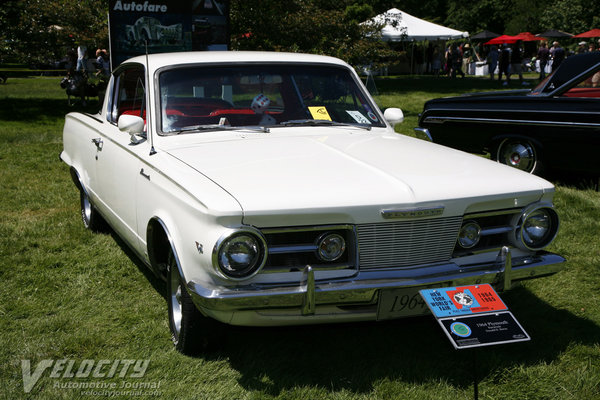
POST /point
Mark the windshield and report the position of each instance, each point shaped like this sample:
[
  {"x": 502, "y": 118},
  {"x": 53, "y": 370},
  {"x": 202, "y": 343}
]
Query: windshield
[{"x": 209, "y": 97}]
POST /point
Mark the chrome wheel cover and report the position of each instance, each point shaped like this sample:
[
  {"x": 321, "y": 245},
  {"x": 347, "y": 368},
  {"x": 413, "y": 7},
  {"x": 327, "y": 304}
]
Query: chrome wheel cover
[
  {"x": 519, "y": 154},
  {"x": 86, "y": 209},
  {"x": 175, "y": 299}
]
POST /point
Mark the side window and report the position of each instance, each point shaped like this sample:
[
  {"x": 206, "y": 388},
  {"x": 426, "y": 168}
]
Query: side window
[
  {"x": 589, "y": 87},
  {"x": 129, "y": 94}
]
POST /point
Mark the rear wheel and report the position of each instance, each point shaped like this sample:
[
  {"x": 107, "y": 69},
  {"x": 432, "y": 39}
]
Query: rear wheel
[
  {"x": 520, "y": 154},
  {"x": 192, "y": 332}
]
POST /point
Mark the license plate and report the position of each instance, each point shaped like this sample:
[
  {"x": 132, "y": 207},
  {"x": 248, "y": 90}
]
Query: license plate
[{"x": 399, "y": 303}]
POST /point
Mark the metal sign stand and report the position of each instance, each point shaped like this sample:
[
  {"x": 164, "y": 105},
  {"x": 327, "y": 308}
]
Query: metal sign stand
[
  {"x": 471, "y": 317},
  {"x": 475, "y": 376}
]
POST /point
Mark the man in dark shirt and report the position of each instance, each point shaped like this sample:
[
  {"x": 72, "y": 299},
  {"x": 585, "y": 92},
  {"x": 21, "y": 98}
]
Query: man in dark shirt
[
  {"x": 543, "y": 54},
  {"x": 558, "y": 55},
  {"x": 503, "y": 64},
  {"x": 516, "y": 61}
]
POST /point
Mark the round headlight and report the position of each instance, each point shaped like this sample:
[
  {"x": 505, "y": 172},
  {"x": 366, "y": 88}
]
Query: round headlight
[
  {"x": 330, "y": 247},
  {"x": 240, "y": 255},
  {"x": 537, "y": 228},
  {"x": 469, "y": 235}
]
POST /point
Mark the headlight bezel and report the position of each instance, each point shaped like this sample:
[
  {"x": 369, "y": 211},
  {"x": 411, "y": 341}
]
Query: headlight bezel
[
  {"x": 465, "y": 224},
  {"x": 519, "y": 240},
  {"x": 503, "y": 228},
  {"x": 244, "y": 273},
  {"x": 321, "y": 240}
]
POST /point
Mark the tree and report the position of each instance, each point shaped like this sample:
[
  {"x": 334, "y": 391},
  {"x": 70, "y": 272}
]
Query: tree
[
  {"x": 573, "y": 16},
  {"x": 479, "y": 15},
  {"x": 312, "y": 26},
  {"x": 36, "y": 31}
]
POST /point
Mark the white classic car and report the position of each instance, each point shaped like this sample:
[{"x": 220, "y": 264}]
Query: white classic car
[{"x": 269, "y": 189}]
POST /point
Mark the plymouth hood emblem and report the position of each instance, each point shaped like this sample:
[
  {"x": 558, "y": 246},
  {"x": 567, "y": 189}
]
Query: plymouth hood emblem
[{"x": 412, "y": 212}]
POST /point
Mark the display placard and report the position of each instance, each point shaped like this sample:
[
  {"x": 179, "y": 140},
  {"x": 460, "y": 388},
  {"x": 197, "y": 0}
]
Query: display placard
[
  {"x": 483, "y": 330},
  {"x": 462, "y": 300}
]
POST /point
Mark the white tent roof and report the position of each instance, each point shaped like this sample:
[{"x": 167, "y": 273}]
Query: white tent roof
[{"x": 401, "y": 26}]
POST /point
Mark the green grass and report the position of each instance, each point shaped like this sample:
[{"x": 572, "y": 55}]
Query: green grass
[{"x": 66, "y": 293}]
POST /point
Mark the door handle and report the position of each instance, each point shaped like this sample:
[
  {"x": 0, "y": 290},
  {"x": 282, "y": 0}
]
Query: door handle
[
  {"x": 147, "y": 176},
  {"x": 98, "y": 142}
]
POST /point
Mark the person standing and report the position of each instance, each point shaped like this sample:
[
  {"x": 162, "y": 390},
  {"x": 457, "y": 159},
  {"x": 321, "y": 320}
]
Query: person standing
[
  {"x": 504, "y": 63},
  {"x": 492, "y": 60},
  {"x": 558, "y": 55},
  {"x": 81, "y": 57},
  {"x": 436, "y": 61},
  {"x": 456, "y": 61},
  {"x": 516, "y": 61},
  {"x": 543, "y": 54},
  {"x": 467, "y": 58}
]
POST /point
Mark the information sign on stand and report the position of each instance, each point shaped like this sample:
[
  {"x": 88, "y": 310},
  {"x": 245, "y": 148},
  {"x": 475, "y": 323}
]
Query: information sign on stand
[{"x": 473, "y": 316}]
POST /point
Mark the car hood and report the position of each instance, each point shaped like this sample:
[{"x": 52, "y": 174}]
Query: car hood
[{"x": 334, "y": 171}]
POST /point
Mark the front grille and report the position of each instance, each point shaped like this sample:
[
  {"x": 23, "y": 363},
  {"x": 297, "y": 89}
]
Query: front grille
[{"x": 407, "y": 243}]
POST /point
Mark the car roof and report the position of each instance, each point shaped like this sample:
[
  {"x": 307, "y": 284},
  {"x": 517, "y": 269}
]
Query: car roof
[{"x": 161, "y": 60}]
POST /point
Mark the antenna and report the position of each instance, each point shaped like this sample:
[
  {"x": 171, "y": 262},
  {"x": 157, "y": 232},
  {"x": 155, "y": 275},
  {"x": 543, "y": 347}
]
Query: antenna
[{"x": 148, "y": 101}]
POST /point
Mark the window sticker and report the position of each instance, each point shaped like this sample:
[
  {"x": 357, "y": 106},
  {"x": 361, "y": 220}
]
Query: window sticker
[
  {"x": 358, "y": 117},
  {"x": 370, "y": 112},
  {"x": 319, "y": 112}
]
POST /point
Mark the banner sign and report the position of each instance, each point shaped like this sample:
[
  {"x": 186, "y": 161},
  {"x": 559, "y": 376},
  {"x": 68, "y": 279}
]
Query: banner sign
[
  {"x": 483, "y": 330},
  {"x": 166, "y": 26},
  {"x": 464, "y": 300}
]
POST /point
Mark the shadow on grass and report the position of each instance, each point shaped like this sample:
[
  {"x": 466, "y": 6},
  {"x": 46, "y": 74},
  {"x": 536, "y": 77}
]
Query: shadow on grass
[
  {"x": 355, "y": 357},
  {"x": 158, "y": 284},
  {"x": 579, "y": 181},
  {"x": 32, "y": 109}
]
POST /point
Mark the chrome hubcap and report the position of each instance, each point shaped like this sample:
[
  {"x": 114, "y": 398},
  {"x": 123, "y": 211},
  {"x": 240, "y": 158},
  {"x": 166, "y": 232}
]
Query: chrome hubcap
[
  {"x": 175, "y": 300},
  {"x": 86, "y": 208},
  {"x": 517, "y": 154}
]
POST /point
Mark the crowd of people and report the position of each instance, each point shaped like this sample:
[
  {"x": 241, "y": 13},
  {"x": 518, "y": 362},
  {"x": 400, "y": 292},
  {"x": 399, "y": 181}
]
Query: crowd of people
[
  {"x": 79, "y": 60},
  {"x": 77, "y": 81},
  {"x": 506, "y": 60}
]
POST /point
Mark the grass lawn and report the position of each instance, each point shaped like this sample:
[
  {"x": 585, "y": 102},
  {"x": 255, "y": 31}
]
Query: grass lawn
[{"x": 68, "y": 294}]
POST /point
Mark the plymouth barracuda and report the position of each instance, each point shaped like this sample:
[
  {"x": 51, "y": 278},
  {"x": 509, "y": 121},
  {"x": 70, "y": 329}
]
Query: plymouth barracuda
[{"x": 269, "y": 189}]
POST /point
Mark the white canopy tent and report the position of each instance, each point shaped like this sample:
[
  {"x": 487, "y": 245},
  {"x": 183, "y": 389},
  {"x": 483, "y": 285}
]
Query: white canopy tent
[{"x": 401, "y": 26}]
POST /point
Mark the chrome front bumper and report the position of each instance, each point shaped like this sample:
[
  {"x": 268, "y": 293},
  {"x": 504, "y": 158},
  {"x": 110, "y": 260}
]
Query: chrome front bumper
[{"x": 363, "y": 288}]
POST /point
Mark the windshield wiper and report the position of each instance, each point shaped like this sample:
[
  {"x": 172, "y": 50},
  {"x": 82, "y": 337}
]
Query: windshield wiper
[
  {"x": 322, "y": 122},
  {"x": 218, "y": 127}
]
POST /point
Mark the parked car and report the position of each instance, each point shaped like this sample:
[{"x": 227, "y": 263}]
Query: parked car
[
  {"x": 555, "y": 126},
  {"x": 269, "y": 189}
]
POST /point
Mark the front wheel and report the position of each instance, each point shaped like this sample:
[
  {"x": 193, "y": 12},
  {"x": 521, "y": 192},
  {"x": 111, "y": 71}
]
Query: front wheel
[
  {"x": 91, "y": 218},
  {"x": 520, "y": 154},
  {"x": 192, "y": 332}
]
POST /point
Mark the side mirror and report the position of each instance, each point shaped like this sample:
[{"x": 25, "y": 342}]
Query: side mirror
[
  {"x": 393, "y": 116},
  {"x": 133, "y": 125}
]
